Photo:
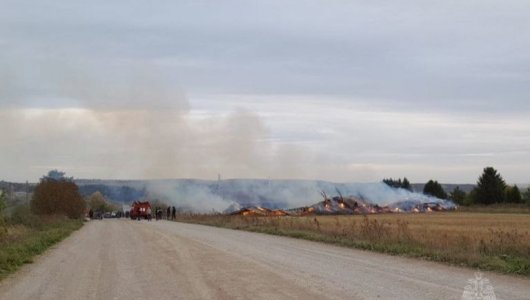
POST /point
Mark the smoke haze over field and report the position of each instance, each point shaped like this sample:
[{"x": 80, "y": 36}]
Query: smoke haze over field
[
  {"x": 228, "y": 195},
  {"x": 338, "y": 91}
]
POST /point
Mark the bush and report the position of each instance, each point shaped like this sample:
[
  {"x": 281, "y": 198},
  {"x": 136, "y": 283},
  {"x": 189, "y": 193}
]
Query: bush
[
  {"x": 22, "y": 215},
  {"x": 57, "y": 196},
  {"x": 513, "y": 195},
  {"x": 3, "y": 229}
]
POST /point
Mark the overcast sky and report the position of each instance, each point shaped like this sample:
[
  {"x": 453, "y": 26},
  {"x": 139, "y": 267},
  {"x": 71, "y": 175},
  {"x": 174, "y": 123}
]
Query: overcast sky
[{"x": 334, "y": 90}]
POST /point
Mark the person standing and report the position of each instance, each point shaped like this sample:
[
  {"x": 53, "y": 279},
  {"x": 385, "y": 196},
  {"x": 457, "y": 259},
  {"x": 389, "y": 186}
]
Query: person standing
[
  {"x": 168, "y": 212},
  {"x": 148, "y": 214},
  {"x": 174, "y": 213}
]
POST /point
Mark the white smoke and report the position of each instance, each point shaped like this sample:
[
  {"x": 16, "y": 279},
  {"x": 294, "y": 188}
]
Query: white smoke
[{"x": 229, "y": 195}]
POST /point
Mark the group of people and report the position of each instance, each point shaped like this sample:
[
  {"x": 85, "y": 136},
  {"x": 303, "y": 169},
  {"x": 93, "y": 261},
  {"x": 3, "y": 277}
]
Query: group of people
[{"x": 171, "y": 213}]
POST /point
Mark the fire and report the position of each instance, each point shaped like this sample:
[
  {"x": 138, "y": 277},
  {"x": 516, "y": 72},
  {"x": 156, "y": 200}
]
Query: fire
[{"x": 347, "y": 206}]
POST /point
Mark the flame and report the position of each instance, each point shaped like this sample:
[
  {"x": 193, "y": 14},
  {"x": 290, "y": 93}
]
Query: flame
[
  {"x": 341, "y": 205},
  {"x": 429, "y": 209}
]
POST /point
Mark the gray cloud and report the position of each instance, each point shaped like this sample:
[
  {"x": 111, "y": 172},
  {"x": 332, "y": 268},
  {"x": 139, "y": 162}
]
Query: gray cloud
[{"x": 330, "y": 89}]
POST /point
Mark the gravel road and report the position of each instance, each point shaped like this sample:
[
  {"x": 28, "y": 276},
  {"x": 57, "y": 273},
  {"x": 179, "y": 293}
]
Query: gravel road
[{"x": 123, "y": 259}]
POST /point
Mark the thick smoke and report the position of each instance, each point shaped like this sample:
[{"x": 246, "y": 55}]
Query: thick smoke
[
  {"x": 132, "y": 125},
  {"x": 229, "y": 195}
]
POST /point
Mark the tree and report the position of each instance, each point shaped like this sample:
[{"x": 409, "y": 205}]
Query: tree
[
  {"x": 513, "y": 195},
  {"x": 526, "y": 196},
  {"x": 406, "y": 184},
  {"x": 97, "y": 202},
  {"x": 470, "y": 197},
  {"x": 57, "y": 195},
  {"x": 490, "y": 187},
  {"x": 391, "y": 182},
  {"x": 433, "y": 188},
  {"x": 458, "y": 196}
]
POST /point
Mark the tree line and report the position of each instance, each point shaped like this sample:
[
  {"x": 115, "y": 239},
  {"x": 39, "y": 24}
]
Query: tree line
[
  {"x": 490, "y": 189},
  {"x": 57, "y": 194}
]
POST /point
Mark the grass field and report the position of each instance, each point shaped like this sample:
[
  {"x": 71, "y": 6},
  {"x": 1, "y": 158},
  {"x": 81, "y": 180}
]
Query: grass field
[
  {"x": 488, "y": 241},
  {"x": 25, "y": 240}
]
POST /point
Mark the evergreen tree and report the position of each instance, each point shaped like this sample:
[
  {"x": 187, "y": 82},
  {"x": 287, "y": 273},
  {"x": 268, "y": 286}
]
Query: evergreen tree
[
  {"x": 458, "y": 196},
  {"x": 406, "y": 184},
  {"x": 490, "y": 187},
  {"x": 391, "y": 182},
  {"x": 513, "y": 195},
  {"x": 433, "y": 188}
]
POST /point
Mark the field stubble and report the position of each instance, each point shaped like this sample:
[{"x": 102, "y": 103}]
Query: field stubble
[{"x": 499, "y": 242}]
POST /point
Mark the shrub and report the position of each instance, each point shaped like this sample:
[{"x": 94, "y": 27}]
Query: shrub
[
  {"x": 3, "y": 229},
  {"x": 57, "y": 196},
  {"x": 22, "y": 215}
]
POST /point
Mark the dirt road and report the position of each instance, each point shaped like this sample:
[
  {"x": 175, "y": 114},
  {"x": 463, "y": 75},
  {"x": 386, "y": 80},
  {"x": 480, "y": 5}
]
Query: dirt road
[{"x": 122, "y": 259}]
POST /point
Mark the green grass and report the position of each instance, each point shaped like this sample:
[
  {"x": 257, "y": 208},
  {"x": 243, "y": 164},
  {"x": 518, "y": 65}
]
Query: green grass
[
  {"x": 23, "y": 242},
  {"x": 487, "y": 241}
]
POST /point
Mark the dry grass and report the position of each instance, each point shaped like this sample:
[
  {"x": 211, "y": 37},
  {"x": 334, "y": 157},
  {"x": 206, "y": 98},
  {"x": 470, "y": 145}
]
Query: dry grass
[
  {"x": 491, "y": 241},
  {"x": 504, "y": 208},
  {"x": 23, "y": 240}
]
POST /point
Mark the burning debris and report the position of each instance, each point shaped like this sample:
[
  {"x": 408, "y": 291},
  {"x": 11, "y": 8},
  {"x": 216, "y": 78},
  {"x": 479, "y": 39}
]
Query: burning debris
[
  {"x": 351, "y": 205},
  {"x": 355, "y": 205}
]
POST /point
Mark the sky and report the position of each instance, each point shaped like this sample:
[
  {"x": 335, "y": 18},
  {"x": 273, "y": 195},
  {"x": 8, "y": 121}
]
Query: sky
[{"x": 349, "y": 91}]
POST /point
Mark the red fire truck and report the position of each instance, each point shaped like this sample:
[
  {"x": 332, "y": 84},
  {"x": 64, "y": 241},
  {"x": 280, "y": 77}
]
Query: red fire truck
[{"x": 140, "y": 210}]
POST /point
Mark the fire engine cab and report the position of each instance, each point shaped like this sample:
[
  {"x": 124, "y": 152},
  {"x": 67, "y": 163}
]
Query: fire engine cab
[{"x": 140, "y": 210}]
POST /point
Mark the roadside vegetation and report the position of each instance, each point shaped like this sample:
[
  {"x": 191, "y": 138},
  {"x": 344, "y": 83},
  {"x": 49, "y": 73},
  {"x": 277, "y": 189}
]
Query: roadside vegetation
[
  {"x": 497, "y": 242},
  {"x": 490, "y": 230},
  {"x": 27, "y": 230}
]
